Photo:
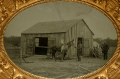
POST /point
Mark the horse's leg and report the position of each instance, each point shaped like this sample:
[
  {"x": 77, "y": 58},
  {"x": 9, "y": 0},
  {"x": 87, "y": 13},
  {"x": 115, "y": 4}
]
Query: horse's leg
[
  {"x": 55, "y": 59},
  {"x": 63, "y": 56},
  {"x": 52, "y": 55}
]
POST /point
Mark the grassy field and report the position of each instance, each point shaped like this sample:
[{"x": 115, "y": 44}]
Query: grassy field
[{"x": 42, "y": 66}]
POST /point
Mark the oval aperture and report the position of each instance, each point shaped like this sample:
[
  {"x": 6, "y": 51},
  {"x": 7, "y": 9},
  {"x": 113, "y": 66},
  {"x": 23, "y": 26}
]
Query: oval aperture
[{"x": 60, "y": 39}]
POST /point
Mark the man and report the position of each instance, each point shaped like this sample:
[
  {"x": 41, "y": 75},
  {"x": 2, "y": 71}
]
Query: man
[
  {"x": 79, "y": 50},
  {"x": 105, "y": 48},
  {"x": 63, "y": 50}
]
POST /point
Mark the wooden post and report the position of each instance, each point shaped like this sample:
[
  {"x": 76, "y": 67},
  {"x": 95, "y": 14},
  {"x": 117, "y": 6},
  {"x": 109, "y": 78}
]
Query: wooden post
[
  {"x": 21, "y": 49},
  {"x": 21, "y": 55}
]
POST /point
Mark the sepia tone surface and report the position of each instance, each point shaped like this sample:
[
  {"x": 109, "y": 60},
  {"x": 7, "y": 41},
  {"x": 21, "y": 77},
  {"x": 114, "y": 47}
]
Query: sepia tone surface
[
  {"x": 111, "y": 10},
  {"x": 40, "y": 32}
]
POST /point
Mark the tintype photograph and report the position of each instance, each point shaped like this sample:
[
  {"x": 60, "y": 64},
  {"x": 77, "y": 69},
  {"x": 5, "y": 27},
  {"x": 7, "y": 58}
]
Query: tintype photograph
[{"x": 60, "y": 39}]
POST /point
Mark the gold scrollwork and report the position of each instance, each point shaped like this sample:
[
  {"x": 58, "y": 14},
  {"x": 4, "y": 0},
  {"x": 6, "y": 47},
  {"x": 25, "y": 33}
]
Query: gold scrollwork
[
  {"x": 19, "y": 77},
  {"x": 10, "y": 6},
  {"x": 98, "y": 1},
  {"x": 113, "y": 73},
  {"x": 22, "y": 1},
  {"x": 1, "y": 2},
  {"x": 7, "y": 71},
  {"x": 110, "y": 5},
  {"x": 100, "y": 77},
  {"x": 3, "y": 13}
]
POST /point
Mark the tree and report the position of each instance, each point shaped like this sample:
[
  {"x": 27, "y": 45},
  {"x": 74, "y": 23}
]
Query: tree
[
  {"x": 109, "y": 41},
  {"x": 14, "y": 40}
]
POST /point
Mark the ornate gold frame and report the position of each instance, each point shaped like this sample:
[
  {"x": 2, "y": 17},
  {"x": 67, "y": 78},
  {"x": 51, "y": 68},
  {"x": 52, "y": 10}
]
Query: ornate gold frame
[{"x": 10, "y": 8}]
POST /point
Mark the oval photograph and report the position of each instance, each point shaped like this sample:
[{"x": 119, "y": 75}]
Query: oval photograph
[{"x": 60, "y": 39}]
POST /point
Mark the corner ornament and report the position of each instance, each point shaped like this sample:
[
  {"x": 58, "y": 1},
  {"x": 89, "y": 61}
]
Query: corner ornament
[
  {"x": 9, "y": 6},
  {"x": 7, "y": 71},
  {"x": 100, "y": 77},
  {"x": 110, "y": 6}
]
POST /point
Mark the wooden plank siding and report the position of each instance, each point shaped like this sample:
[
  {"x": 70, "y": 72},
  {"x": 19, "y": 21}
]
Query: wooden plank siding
[
  {"x": 73, "y": 34},
  {"x": 75, "y": 38},
  {"x": 79, "y": 30},
  {"x": 25, "y": 42},
  {"x": 66, "y": 41},
  {"x": 69, "y": 40}
]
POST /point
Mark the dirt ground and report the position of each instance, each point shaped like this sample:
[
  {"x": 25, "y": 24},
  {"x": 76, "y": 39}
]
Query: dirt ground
[{"x": 42, "y": 66}]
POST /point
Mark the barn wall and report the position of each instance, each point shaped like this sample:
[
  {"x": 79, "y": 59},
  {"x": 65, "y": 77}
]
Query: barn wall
[
  {"x": 28, "y": 39},
  {"x": 88, "y": 36},
  {"x": 80, "y": 29},
  {"x": 67, "y": 39}
]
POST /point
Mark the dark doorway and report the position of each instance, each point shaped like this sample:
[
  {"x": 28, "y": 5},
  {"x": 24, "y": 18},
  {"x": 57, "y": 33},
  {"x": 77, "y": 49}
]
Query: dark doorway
[
  {"x": 41, "y": 45},
  {"x": 40, "y": 51},
  {"x": 80, "y": 39},
  {"x": 43, "y": 41}
]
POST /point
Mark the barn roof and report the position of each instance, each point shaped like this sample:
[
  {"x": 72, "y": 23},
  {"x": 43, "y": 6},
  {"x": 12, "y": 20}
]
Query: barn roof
[{"x": 52, "y": 27}]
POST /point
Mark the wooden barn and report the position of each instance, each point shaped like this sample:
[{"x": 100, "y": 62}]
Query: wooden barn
[{"x": 37, "y": 39}]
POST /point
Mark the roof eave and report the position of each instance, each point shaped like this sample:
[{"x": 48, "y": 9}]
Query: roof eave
[
  {"x": 88, "y": 27},
  {"x": 43, "y": 33}
]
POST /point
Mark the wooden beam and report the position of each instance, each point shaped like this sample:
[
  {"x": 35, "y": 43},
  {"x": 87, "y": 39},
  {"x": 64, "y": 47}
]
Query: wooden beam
[
  {"x": 43, "y": 47},
  {"x": 21, "y": 55}
]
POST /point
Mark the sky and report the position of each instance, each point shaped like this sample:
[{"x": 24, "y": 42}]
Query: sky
[{"x": 100, "y": 25}]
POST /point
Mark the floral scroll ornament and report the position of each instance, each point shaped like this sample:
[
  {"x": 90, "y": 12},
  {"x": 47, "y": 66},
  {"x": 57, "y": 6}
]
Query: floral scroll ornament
[
  {"x": 98, "y": 1},
  {"x": 110, "y": 5},
  {"x": 19, "y": 77},
  {"x": 22, "y": 1},
  {"x": 100, "y": 77},
  {"x": 3, "y": 14},
  {"x": 9, "y": 6},
  {"x": 6, "y": 71}
]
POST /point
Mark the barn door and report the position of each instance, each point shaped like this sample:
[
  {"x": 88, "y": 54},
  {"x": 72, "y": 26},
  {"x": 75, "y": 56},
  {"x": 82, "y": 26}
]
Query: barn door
[
  {"x": 86, "y": 47},
  {"x": 41, "y": 45},
  {"x": 30, "y": 46}
]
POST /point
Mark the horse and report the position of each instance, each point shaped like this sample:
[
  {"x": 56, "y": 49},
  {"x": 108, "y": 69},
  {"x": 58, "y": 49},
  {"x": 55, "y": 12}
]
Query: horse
[{"x": 59, "y": 52}]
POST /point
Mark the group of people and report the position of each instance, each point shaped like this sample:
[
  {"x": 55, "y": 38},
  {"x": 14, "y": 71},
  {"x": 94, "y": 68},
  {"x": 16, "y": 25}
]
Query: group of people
[
  {"x": 79, "y": 47},
  {"x": 104, "y": 48}
]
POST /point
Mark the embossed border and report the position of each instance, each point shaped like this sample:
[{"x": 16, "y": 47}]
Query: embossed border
[{"x": 10, "y": 8}]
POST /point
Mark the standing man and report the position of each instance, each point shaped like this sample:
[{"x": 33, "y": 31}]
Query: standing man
[
  {"x": 79, "y": 50},
  {"x": 105, "y": 48}
]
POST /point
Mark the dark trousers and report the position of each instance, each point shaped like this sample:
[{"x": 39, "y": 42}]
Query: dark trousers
[
  {"x": 78, "y": 55},
  {"x": 53, "y": 54},
  {"x": 105, "y": 55}
]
